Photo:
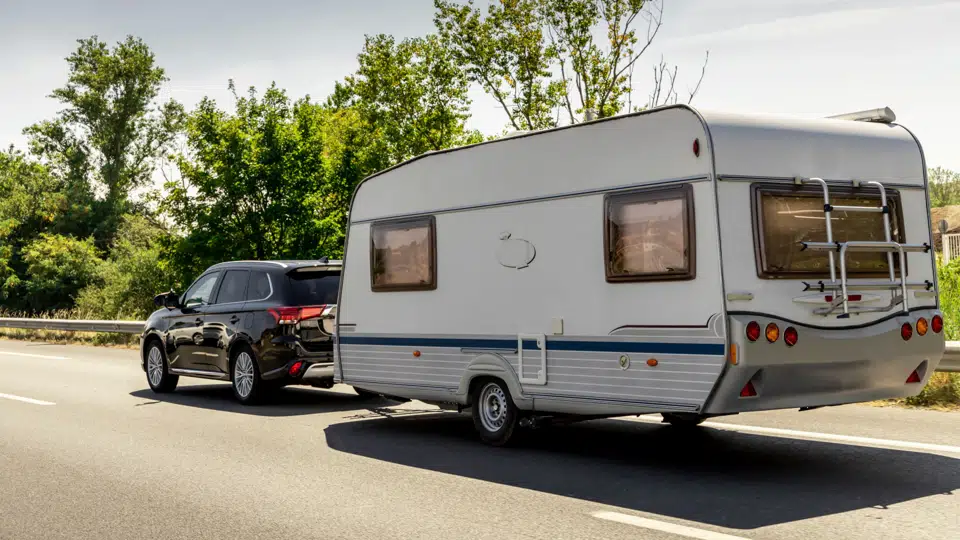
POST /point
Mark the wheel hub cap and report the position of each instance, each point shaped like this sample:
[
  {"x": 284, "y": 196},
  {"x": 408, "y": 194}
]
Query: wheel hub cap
[
  {"x": 155, "y": 366},
  {"x": 493, "y": 407},
  {"x": 243, "y": 374}
]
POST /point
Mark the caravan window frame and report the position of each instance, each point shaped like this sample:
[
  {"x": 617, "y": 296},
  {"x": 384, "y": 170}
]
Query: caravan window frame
[
  {"x": 682, "y": 192},
  {"x": 428, "y": 221},
  {"x": 758, "y": 189}
]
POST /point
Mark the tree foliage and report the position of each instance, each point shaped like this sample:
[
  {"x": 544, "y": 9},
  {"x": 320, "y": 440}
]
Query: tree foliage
[
  {"x": 58, "y": 267},
  {"x": 412, "y": 93},
  {"x": 944, "y": 186},
  {"x": 125, "y": 284},
  {"x": 269, "y": 180},
  {"x": 106, "y": 141},
  {"x": 537, "y": 58}
]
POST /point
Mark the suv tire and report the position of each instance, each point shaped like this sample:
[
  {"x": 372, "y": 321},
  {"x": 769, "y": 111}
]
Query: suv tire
[
  {"x": 248, "y": 387},
  {"x": 159, "y": 378}
]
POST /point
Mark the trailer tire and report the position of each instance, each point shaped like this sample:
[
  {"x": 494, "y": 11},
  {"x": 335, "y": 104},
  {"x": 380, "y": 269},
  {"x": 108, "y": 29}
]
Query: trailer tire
[
  {"x": 683, "y": 420},
  {"x": 495, "y": 416}
]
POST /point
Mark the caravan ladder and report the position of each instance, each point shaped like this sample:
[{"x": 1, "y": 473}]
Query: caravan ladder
[{"x": 898, "y": 287}]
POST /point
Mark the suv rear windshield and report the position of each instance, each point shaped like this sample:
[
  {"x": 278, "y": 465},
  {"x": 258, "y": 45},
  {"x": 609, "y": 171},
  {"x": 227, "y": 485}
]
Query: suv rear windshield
[{"x": 314, "y": 288}]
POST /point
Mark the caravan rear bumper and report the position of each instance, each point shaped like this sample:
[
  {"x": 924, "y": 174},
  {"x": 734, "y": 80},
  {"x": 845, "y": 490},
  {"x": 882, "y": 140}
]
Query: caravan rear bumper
[{"x": 827, "y": 366}]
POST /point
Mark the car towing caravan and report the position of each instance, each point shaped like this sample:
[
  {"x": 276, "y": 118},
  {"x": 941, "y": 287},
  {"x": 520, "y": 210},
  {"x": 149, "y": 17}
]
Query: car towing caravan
[{"x": 687, "y": 263}]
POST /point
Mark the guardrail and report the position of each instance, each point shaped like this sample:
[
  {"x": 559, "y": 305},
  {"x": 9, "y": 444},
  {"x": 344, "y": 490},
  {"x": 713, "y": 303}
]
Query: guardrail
[
  {"x": 949, "y": 363},
  {"x": 119, "y": 327}
]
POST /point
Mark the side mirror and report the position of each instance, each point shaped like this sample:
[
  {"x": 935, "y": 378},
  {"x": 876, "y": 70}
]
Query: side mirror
[{"x": 168, "y": 300}]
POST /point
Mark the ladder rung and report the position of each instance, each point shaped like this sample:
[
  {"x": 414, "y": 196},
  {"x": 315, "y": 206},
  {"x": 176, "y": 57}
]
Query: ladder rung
[
  {"x": 869, "y": 247},
  {"x": 871, "y": 209},
  {"x": 868, "y": 285}
]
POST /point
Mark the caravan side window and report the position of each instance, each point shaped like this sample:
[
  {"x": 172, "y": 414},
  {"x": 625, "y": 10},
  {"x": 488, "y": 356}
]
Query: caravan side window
[
  {"x": 403, "y": 255},
  {"x": 649, "y": 235}
]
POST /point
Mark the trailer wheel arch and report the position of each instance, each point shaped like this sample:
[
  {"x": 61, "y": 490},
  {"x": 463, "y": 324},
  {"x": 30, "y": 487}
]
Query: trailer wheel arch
[{"x": 493, "y": 366}]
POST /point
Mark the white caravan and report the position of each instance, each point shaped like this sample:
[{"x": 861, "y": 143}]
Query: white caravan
[{"x": 672, "y": 261}]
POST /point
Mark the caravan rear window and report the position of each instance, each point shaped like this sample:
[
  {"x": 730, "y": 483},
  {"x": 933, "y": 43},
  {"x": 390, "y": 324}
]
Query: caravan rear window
[
  {"x": 787, "y": 216},
  {"x": 649, "y": 235},
  {"x": 403, "y": 255}
]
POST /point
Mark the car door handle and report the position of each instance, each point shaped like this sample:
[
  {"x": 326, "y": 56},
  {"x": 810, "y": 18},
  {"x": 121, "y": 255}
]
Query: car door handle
[{"x": 234, "y": 319}]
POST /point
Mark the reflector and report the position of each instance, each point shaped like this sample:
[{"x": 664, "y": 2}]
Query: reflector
[
  {"x": 748, "y": 390},
  {"x": 914, "y": 377}
]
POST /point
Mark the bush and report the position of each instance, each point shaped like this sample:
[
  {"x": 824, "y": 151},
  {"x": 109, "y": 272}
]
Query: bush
[
  {"x": 127, "y": 282},
  {"x": 58, "y": 267}
]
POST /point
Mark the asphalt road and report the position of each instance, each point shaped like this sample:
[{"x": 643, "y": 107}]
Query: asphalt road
[{"x": 87, "y": 451}]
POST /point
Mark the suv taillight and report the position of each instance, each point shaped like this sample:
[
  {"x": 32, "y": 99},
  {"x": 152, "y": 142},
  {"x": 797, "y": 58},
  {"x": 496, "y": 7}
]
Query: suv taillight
[{"x": 293, "y": 315}]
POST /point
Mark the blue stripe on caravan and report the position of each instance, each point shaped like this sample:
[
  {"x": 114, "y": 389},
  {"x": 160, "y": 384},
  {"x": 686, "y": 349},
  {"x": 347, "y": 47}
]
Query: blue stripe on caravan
[{"x": 714, "y": 349}]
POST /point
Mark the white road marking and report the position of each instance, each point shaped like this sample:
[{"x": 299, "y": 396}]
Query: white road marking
[
  {"x": 663, "y": 526},
  {"x": 34, "y": 355},
  {"x": 26, "y": 399},
  {"x": 829, "y": 437}
]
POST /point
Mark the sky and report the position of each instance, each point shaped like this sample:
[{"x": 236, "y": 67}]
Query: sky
[{"x": 803, "y": 57}]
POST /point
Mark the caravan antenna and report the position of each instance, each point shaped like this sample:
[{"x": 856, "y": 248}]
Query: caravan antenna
[{"x": 883, "y": 116}]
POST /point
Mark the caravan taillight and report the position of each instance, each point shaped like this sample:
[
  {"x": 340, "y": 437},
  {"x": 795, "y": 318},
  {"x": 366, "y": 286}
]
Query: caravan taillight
[
  {"x": 790, "y": 336},
  {"x": 753, "y": 331},
  {"x": 773, "y": 332},
  {"x": 906, "y": 331},
  {"x": 937, "y": 323},
  {"x": 922, "y": 326}
]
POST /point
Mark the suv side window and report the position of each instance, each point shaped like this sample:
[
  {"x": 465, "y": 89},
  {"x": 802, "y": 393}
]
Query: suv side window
[
  {"x": 233, "y": 287},
  {"x": 260, "y": 287},
  {"x": 201, "y": 291}
]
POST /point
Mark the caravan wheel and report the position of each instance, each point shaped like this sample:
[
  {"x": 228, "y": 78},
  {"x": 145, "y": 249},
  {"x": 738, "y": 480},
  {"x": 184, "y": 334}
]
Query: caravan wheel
[{"x": 494, "y": 414}]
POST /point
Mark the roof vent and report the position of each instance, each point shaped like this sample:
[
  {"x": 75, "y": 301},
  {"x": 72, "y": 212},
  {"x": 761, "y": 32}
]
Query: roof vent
[{"x": 883, "y": 116}]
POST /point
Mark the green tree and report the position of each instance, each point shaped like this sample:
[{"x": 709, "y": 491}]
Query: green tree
[
  {"x": 107, "y": 140},
  {"x": 412, "y": 93},
  {"x": 135, "y": 271},
  {"x": 261, "y": 183},
  {"x": 32, "y": 202},
  {"x": 540, "y": 59},
  {"x": 944, "y": 186},
  {"x": 58, "y": 267}
]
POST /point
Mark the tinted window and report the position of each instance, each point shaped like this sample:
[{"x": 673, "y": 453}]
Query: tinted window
[
  {"x": 202, "y": 290},
  {"x": 788, "y": 217},
  {"x": 314, "y": 288},
  {"x": 260, "y": 287},
  {"x": 402, "y": 255},
  {"x": 234, "y": 287},
  {"x": 649, "y": 235}
]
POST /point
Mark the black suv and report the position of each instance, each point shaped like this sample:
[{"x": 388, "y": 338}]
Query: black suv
[{"x": 258, "y": 324}]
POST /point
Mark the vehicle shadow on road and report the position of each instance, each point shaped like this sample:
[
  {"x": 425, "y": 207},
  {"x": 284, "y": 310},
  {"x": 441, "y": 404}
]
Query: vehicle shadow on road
[
  {"x": 705, "y": 475},
  {"x": 296, "y": 401}
]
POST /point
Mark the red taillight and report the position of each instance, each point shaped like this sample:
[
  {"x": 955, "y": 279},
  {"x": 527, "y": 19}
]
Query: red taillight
[
  {"x": 906, "y": 331},
  {"x": 913, "y": 378},
  {"x": 790, "y": 336},
  {"x": 748, "y": 390},
  {"x": 937, "y": 323},
  {"x": 696, "y": 147},
  {"x": 295, "y": 369},
  {"x": 753, "y": 331},
  {"x": 293, "y": 315}
]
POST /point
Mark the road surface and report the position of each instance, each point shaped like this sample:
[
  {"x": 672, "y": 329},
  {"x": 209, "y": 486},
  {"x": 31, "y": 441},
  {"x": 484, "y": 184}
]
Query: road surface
[{"x": 87, "y": 451}]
